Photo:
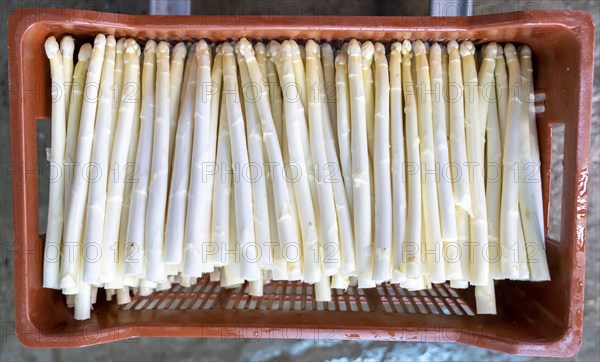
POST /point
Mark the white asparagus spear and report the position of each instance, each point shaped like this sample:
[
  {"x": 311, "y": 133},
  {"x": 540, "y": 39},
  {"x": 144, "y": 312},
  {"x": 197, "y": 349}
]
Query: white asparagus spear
[
  {"x": 501, "y": 78},
  {"x": 382, "y": 270},
  {"x": 54, "y": 229},
  {"x": 279, "y": 264},
  {"x": 534, "y": 147},
  {"x": 221, "y": 212},
  {"x": 67, "y": 47},
  {"x": 118, "y": 86},
  {"x": 129, "y": 176},
  {"x": 530, "y": 188},
  {"x": 287, "y": 224},
  {"x": 444, "y": 186},
  {"x": 159, "y": 176},
  {"x": 305, "y": 207},
  {"x": 329, "y": 87},
  {"x": 486, "y": 85},
  {"x": 323, "y": 287},
  {"x": 180, "y": 174},
  {"x": 135, "y": 240},
  {"x": 343, "y": 121},
  {"x": 361, "y": 182},
  {"x": 197, "y": 258},
  {"x": 119, "y": 155},
  {"x": 83, "y": 303},
  {"x": 493, "y": 187},
  {"x": 175, "y": 89},
  {"x": 446, "y": 87},
  {"x": 458, "y": 144},
  {"x": 249, "y": 268},
  {"x": 509, "y": 208},
  {"x": 478, "y": 227},
  {"x": 367, "y": 59},
  {"x": 95, "y": 244},
  {"x": 326, "y": 204},
  {"x": 433, "y": 237},
  {"x": 412, "y": 250},
  {"x": 345, "y": 250},
  {"x": 398, "y": 159},
  {"x": 75, "y": 217},
  {"x": 75, "y": 105},
  {"x": 257, "y": 170}
]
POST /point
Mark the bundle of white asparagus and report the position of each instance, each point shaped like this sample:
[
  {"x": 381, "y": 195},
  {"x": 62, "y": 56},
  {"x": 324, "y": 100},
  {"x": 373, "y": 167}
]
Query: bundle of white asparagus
[{"x": 407, "y": 163}]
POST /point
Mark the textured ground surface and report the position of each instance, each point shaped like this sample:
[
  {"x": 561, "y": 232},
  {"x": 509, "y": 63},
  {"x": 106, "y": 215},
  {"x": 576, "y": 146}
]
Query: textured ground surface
[{"x": 191, "y": 349}]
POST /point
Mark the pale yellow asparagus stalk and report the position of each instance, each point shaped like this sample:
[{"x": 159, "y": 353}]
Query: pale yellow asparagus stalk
[
  {"x": 329, "y": 87},
  {"x": 530, "y": 193},
  {"x": 180, "y": 174},
  {"x": 197, "y": 256},
  {"x": 493, "y": 187},
  {"x": 343, "y": 121},
  {"x": 67, "y": 47},
  {"x": 118, "y": 86},
  {"x": 83, "y": 303},
  {"x": 509, "y": 209},
  {"x": 221, "y": 212},
  {"x": 444, "y": 185},
  {"x": 287, "y": 224},
  {"x": 446, "y": 86},
  {"x": 129, "y": 167},
  {"x": 96, "y": 209},
  {"x": 398, "y": 160},
  {"x": 361, "y": 181},
  {"x": 345, "y": 250},
  {"x": 175, "y": 89},
  {"x": 135, "y": 240},
  {"x": 275, "y": 95},
  {"x": 501, "y": 78},
  {"x": 75, "y": 105},
  {"x": 71, "y": 257},
  {"x": 412, "y": 250},
  {"x": 382, "y": 270},
  {"x": 478, "y": 226},
  {"x": 249, "y": 268},
  {"x": 368, "y": 51},
  {"x": 119, "y": 155},
  {"x": 254, "y": 135},
  {"x": 326, "y": 204},
  {"x": 486, "y": 85},
  {"x": 260, "y": 51},
  {"x": 433, "y": 236},
  {"x": 305, "y": 207},
  {"x": 458, "y": 157},
  {"x": 54, "y": 229},
  {"x": 159, "y": 176},
  {"x": 323, "y": 287}
]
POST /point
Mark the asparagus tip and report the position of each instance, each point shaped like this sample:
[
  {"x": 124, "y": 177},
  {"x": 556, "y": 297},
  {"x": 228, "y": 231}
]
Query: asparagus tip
[
  {"x": 110, "y": 41},
  {"x": 180, "y": 50},
  {"x": 525, "y": 51},
  {"x": 163, "y": 47},
  {"x": 452, "y": 45},
  {"x": 100, "y": 40},
  {"x": 466, "y": 48},
  {"x": 354, "y": 47},
  {"x": 406, "y": 47},
  {"x": 51, "y": 47},
  {"x": 368, "y": 49},
  {"x": 491, "y": 50},
  {"x": 243, "y": 46},
  {"x": 435, "y": 49},
  {"x": 379, "y": 47},
  {"x": 419, "y": 47},
  {"x": 259, "y": 47},
  {"x": 396, "y": 47},
  {"x": 121, "y": 45},
  {"x": 311, "y": 46},
  {"x": 67, "y": 46},
  {"x": 85, "y": 52}
]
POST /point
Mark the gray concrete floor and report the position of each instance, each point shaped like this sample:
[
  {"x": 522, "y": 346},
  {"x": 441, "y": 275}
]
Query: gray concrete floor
[{"x": 193, "y": 349}]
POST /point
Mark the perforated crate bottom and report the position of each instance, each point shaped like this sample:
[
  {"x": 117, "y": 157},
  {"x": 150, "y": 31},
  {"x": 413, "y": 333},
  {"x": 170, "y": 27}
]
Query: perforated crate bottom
[{"x": 289, "y": 296}]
